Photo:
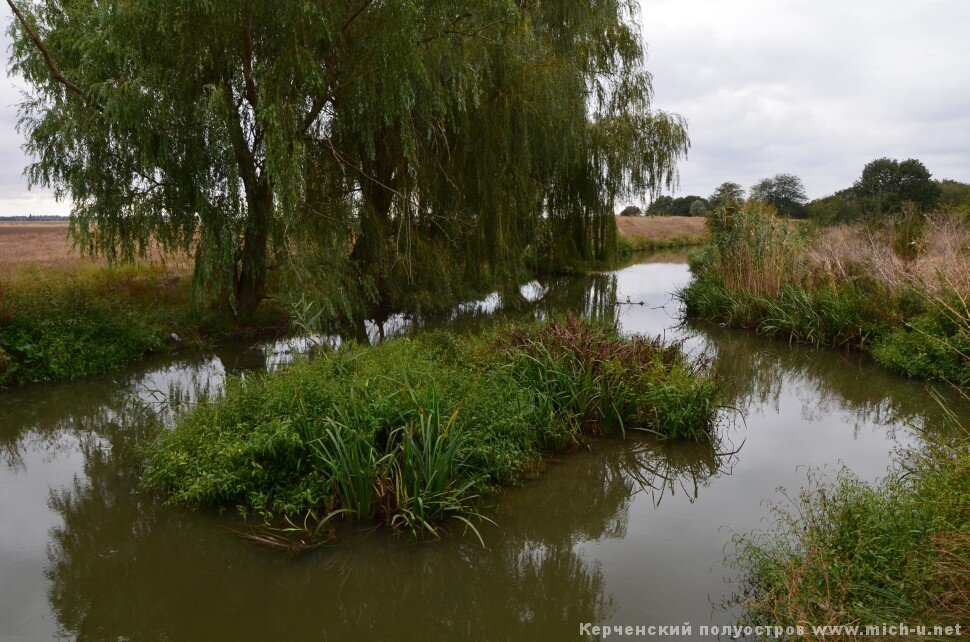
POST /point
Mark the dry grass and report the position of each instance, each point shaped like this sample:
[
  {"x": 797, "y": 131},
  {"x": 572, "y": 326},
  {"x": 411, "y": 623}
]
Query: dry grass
[
  {"x": 845, "y": 251},
  {"x": 24, "y": 246},
  {"x": 662, "y": 227}
]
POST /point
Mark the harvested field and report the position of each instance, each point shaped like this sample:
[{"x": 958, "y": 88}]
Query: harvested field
[
  {"x": 44, "y": 245},
  {"x": 661, "y": 227},
  {"x": 662, "y": 232}
]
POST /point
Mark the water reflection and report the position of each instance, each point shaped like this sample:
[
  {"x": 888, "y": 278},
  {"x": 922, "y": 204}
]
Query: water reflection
[{"x": 627, "y": 532}]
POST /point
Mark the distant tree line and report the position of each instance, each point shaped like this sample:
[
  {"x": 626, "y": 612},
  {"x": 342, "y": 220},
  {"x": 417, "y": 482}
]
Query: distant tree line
[
  {"x": 33, "y": 217},
  {"x": 886, "y": 186}
]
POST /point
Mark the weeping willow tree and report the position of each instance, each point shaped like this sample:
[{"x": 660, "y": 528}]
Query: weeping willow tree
[{"x": 387, "y": 151}]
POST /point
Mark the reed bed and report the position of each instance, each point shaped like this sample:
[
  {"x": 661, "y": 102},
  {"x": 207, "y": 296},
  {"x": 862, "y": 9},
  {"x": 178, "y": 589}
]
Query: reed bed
[
  {"x": 413, "y": 433},
  {"x": 846, "y": 287}
]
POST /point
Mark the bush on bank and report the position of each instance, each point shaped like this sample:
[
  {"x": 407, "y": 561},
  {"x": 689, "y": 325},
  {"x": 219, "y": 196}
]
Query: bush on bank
[{"x": 414, "y": 431}]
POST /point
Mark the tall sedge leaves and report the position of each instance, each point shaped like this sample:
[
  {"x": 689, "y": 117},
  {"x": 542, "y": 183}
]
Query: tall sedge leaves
[{"x": 362, "y": 146}]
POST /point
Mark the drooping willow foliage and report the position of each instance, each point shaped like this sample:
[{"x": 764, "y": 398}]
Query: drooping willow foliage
[{"x": 389, "y": 152}]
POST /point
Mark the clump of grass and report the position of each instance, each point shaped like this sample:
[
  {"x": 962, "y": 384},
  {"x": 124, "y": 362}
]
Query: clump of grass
[
  {"x": 845, "y": 552},
  {"x": 414, "y": 431},
  {"x": 606, "y": 384}
]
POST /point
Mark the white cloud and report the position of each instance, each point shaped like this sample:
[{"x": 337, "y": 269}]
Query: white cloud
[{"x": 815, "y": 88}]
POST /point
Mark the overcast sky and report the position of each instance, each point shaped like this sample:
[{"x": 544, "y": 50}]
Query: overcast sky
[{"x": 813, "y": 87}]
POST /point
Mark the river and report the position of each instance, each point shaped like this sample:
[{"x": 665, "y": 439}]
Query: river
[{"x": 631, "y": 532}]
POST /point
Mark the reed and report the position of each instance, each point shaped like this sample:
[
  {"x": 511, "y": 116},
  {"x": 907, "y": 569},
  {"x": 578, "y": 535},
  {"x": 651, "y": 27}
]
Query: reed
[
  {"x": 846, "y": 552},
  {"x": 843, "y": 287}
]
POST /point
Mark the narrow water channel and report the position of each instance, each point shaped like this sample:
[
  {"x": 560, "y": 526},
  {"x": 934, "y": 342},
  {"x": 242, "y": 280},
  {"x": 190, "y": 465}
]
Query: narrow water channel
[{"x": 631, "y": 532}]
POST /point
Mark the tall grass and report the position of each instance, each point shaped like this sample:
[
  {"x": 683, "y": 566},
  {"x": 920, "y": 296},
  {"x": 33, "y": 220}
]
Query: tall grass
[
  {"x": 413, "y": 432},
  {"x": 57, "y": 325},
  {"x": 842, "y": 287},
  {"x": 752, "y": 248}
]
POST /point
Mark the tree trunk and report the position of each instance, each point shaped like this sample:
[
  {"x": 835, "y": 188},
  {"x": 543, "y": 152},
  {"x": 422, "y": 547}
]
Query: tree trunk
[{"x": 251, "y": 281}]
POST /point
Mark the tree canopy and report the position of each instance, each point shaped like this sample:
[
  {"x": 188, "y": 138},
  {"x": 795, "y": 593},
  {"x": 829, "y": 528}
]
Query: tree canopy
[
  {"x": 784, "y": 191},
  {"x": 727, "y": 192},
  {"x": 670, "y": 206},
  {"x": 887, "y": 183},
  {"x": 367, "y": 147}
]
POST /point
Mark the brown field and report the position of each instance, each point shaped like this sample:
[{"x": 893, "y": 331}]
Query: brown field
[
  {"x": 36, "y": 244},
  {"x": 661, "y": 227},
  {"x": 45, "y": 245}
]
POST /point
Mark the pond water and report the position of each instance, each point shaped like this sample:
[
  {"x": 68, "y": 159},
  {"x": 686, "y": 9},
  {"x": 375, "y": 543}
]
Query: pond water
[{"x": 630, "y": 532}]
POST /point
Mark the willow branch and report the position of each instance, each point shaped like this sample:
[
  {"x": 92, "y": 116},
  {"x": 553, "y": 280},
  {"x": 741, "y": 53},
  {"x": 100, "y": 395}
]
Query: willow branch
[{"x": 48, "y": 57}]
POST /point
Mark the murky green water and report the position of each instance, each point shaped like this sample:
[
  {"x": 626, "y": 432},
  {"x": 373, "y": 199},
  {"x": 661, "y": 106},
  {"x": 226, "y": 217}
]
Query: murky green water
[{"x": 631, "y": 532}]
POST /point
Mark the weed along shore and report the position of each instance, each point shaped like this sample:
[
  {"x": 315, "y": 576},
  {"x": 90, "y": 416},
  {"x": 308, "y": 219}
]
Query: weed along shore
[
  {"x": 64, "y": 324},
  {"x": 414, "y": 432}
]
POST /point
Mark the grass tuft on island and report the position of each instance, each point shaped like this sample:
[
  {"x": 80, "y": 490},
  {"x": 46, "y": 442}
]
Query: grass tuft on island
[
  {"x": 415, "y": 431},
  {"x": 898, "y": 290}
]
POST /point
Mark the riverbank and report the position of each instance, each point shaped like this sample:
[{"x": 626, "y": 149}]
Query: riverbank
[
  {"x": 846, "y": 553},
  {"x": 62, "y": 324},
  {"x": 651, "y": 233},
  {"x": 624, "y": 530},
  {"x": 902, "y": 300},
  {"x": 414, "y": 431}
]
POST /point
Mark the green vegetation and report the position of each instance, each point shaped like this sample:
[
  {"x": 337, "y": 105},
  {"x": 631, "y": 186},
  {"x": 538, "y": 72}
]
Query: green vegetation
[
  {"x": 377, "y": 155},
  {"x": 886, "y": 184},
  {"x": 414, "y": 431},
  {"x": 62, "y": 325},
  {"x": 847, "y": 552},
  {"x": 889, "y": 188},
  {"x": 784, "y": 192},
  {"x": 845, "y": 288},
  {"x": 640, "y": 243},
  {"x": 680, "y": 206}
]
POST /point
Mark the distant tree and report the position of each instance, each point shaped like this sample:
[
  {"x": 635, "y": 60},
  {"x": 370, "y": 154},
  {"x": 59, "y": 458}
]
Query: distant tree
[
  {"x": 727, "y": 192},
  {"x": 632, "y": 210},
  {"x": 955, "y": 195},
  {"x": 669, "y": 206},
  {"x": 698, "y": 207},
  {"x": 887, "y": 183},
  {"x": 785, "y": 192},
  {"x": 661, "y": 206},
  {"x": 840, "y": 207}
]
